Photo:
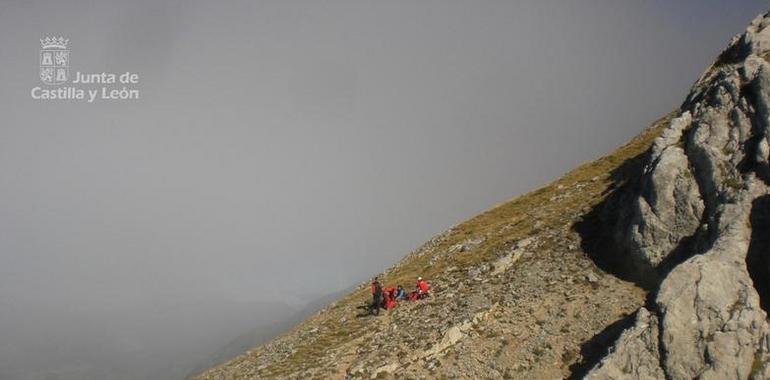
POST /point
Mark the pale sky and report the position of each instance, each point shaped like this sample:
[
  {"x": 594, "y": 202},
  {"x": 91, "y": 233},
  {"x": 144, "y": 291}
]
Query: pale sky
[{"x": 283, "y": 150}]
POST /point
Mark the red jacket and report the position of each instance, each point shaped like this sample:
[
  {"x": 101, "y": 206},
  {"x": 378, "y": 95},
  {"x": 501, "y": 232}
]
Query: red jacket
[{"x": 423, "y": 286}]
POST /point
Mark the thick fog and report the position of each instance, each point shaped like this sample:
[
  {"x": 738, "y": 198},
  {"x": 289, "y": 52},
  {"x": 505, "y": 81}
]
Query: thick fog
[{"x": 281, "y": 152}]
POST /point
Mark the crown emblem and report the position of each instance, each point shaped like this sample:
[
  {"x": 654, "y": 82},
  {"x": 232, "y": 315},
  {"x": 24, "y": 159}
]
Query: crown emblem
[{"x": 54, "y": 42}]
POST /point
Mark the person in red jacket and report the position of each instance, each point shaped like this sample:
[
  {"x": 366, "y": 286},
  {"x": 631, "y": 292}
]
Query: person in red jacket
[
  {"x": 375, "y": 283},
  {"x": 374, "y": 308},
  {"x": 422, "y": 288},
  {"x": 390, "y": 297}
]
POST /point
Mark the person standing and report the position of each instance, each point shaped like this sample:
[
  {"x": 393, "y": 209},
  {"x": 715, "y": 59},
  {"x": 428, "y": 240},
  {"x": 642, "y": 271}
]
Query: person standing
[{"x": 374, "y": 308}]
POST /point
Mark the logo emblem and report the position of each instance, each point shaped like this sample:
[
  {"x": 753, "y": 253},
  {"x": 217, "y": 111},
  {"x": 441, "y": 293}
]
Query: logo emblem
[{"x": 54, "y": 60}]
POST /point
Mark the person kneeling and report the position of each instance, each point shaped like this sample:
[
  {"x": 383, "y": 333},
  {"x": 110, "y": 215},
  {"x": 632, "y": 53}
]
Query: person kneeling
[{"x": 422, "y": 288}]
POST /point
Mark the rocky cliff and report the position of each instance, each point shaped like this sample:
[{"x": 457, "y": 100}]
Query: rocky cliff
[
  {"x": 695, "y": 223},
  {"x": 651, "y": 262}
]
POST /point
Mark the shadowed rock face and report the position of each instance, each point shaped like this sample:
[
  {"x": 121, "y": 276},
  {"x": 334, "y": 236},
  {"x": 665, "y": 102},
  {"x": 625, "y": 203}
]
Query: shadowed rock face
[
  {"x": 694, "y": 220},
  {"x": 758, "y": 257}
]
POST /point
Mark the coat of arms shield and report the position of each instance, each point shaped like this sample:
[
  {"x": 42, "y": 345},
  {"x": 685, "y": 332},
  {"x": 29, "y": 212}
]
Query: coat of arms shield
[{"x": 54, "y": 60}]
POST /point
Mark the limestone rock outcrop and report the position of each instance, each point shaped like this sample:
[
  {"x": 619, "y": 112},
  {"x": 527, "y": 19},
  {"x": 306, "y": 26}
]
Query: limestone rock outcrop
[{"x": 692, "y": 225}]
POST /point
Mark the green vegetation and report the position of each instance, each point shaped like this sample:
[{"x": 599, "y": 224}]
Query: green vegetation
[
  {"x": 734, "y": 183},
  {"x": 756, "y": 365}
]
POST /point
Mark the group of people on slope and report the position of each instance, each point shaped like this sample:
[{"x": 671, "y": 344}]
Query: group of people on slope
[{"x": 388, "y": 297}]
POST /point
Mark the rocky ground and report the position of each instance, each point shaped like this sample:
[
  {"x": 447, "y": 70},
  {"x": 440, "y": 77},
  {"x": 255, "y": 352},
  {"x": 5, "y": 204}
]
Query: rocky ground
[{"x": 651, "y": 262}]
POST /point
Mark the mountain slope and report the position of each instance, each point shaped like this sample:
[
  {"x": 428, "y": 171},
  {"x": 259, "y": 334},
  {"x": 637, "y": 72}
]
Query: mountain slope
[
  {"x": 657, "y": 250},
  {"x": 510, "y": 284}
]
